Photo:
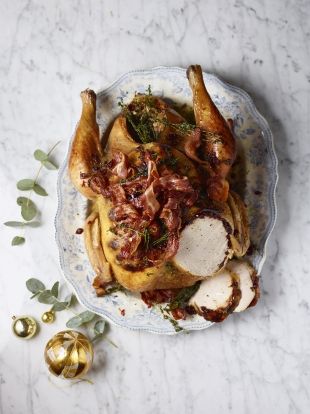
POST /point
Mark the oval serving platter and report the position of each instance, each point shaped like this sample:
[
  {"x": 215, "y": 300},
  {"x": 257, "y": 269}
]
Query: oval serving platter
[{"x": 255, "y": 169}]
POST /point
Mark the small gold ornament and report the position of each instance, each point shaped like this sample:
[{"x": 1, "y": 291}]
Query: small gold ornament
[
  {"x": 24, "y": 326},
  {"x": 69, "y": 354},
  {"x": 48, "y": 317}
]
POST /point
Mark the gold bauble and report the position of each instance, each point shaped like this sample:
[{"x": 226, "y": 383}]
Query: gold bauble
[
  {"x": 69, "y": 354},
  {"x": 24, "y": 326},
  {"x": 48, "y": 317}
]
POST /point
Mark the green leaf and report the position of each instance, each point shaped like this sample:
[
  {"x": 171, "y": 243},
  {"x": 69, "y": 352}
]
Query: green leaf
[
  {"x": 59, "y": 306},
  {"x": 21, "y": 224},
  {"x": 24, "y": 200},
  {"x": 33, "y": 224},
  {"x": 80, "y": 319},
  {"x": 17, "y": 240},
  {"x": 35, "y": 285},
  {"x": 14, "y": 223},
  {"x": 74, "y": 322},
  {"x": 70, "y": 299},
  {"x": 28, "y": 210},
  {"x": 25, "y": 184},
  {"x": 99, "y": 327},
  {"x": 34, "y": 295},
  {"x": 49, "y": 165},
  {"x": 40, "y": 155},
  {"x": 86, "y": 316},
  {"x": 39, "y": 190},
  {"x": 55, "y": 289},
  {"x": 47, "y": 297},
  {"x": 183, "y": 296}
]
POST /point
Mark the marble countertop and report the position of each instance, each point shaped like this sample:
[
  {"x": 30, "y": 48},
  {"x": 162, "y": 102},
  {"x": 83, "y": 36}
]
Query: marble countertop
[{"x": 255, "y": 362}]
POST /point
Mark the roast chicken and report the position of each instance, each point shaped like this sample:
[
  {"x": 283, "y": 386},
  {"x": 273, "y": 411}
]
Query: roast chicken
[{"x": 162, "y": 214}]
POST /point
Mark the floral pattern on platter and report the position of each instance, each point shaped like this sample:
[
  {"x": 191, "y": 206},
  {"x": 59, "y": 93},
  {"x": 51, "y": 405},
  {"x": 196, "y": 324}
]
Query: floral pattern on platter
[{"x": 254, "y": 176}]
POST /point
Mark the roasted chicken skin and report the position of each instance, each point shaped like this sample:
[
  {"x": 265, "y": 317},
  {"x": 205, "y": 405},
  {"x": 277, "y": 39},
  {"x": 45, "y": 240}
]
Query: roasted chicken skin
[{"x": 218, "y": 148}]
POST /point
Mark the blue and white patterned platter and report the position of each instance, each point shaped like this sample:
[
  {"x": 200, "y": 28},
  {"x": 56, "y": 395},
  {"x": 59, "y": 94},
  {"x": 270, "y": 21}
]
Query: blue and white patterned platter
[{"x": 257, "y": 183}]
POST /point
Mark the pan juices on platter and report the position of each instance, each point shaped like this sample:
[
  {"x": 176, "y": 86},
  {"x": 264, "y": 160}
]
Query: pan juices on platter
[{"x": 163, "y": 220}]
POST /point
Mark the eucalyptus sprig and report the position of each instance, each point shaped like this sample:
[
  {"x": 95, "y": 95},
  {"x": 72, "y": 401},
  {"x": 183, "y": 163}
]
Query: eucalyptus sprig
[
  {"x": 29, "y": 209},
  {"x": 99, "y": 328},
  {"x": 49, "y": 296}
]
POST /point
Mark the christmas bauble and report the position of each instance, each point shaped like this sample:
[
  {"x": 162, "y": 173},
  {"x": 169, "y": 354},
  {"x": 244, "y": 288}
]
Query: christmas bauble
[
  {"x": 69, "y": 354},
  {"x": 24, "y": 326},
  {"x": 48, "y": 317}
]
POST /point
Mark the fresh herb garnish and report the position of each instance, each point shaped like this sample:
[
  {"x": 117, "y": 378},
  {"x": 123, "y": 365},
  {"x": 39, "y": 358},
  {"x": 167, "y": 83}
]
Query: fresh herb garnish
[
  {"x": 173, "y": 322},
  {"x": 146, "y": 238},
  {"x": 160, "y": 240},
  {"x": 117, "y": 287},
  {"x": 181, "y": 299}
]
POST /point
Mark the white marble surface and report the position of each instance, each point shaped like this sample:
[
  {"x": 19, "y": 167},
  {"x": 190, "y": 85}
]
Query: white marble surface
[{"x": 256, "y": 362}]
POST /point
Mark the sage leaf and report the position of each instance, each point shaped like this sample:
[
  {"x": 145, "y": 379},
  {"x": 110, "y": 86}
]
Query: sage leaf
[
  {"x": 35, "y": 285},
  {"x": 183, "y": 296},
  {"x": 59, "y": 306},
  {"x": 40, "y": 155},
  {"x": 55, "y": 289},
  {"x": 14, "y": 223},
  {"x": 25, "y": 184},
  {"x": 49, "y": 165},
  {"x": 99, "y": 327},
  {"x": 17, "y": 240},
  {"x": 47, "y": 297},
  {"x": 39, "y": 190}
]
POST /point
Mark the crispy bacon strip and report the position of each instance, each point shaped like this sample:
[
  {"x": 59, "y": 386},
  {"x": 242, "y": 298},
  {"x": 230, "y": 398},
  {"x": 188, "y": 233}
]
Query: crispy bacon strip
[
  {"x": 120, "y": 169},
  {"x": 139, "y": 200}
]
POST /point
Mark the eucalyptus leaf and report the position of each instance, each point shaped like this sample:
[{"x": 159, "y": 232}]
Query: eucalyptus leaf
[
  {"x": 35, "y": 285},
  {"x": 28, "y": 212},
  {"x": 59, "y": 306},
  {"x": 25, "y": 184},
  {"x": 17, "y": 240},
  {"x": 55, "y": 289},
  {"x": 22, "y": 200},
  {"x": 80, "y": 319},
  {"x": 14, "y": 223},
  {"x": 33, "y": 224},
  {"x": 49, "y": 165},
  {"x": 28, "y": 208},
  {"x": 39, "y": 190},
  {"x": 74, "y": 322},
  {"x": 40, "y": 155},
  {"x": 86, "y": 316},
  {"x": 34, "y": 295},
  {"x": 22, "y": 223},
  {"x": 70, "y": 299},
  {"x": 47, "y": 297},
  {"x": 99, "y": 327}
]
